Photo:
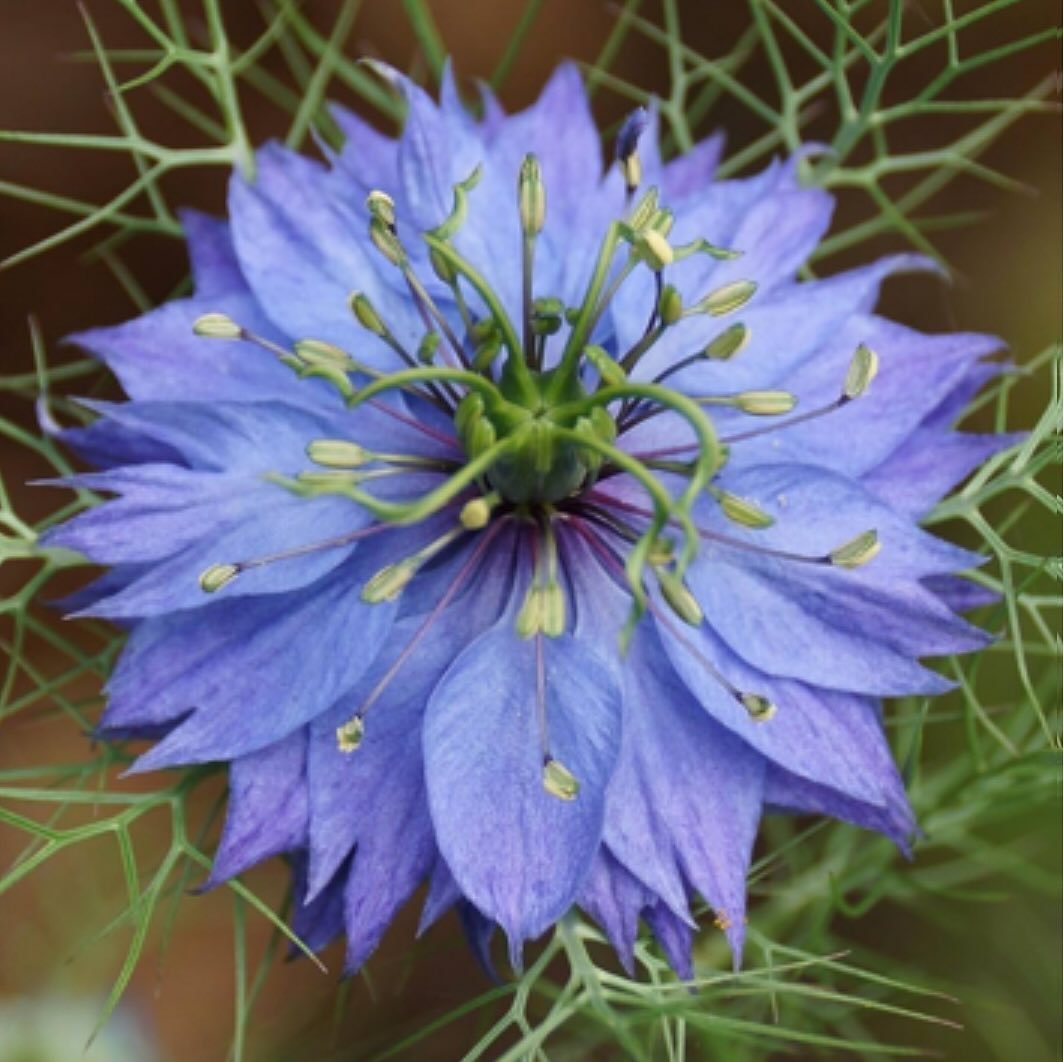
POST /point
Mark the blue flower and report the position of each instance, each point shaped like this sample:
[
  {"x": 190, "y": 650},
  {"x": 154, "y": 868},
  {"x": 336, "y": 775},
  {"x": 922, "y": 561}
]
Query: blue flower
[{"x": 524, "y": 529}]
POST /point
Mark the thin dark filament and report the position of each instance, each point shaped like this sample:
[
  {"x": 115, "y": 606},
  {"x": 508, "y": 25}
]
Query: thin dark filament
[
  {"x": 412, "y": 422},
  {"x": 541, "y": 698},
  {"x": 448, "y": 595},
  {"x": 615, "y": 569},
  {"x": 314, "y": 547},
  {"x": 428, "y": 309},
  {"x": 432, "y": 394},
  {"x": 800, "y": 418},
  {"x": 743, "y": 436},
  {"x": 715, "y": 536}
]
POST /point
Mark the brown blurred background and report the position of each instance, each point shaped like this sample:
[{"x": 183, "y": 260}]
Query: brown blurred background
[{"x": 1008, "y": 283}]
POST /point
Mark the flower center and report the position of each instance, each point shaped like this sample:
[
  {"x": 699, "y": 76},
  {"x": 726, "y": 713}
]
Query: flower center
[{"x": 538, "y": 423}]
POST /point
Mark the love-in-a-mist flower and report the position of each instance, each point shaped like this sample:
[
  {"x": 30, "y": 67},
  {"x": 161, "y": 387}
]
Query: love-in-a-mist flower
[{"x": 524, "y": 527}]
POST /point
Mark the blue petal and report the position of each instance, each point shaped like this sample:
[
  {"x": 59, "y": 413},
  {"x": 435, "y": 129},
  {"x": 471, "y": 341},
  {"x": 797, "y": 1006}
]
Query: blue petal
[
  {"x": 916, "y": 373},
  {"x": 614, "y": 897},
  {"x": 252, "y": 670},
  {"x": 320, "y": 921},
  {"x": 675, "y": 937},
  {"x": 829, "y": 737},
  {"x": 786, "y": 326},
  {"x": 689, "y": 175},
  {"x": 267, "y": 811},
  {"x": 928, "y": 465},
  {"x": 686, "y": 792},
  {"x": 817, "y": 510},
  {"x": 157, "y": 356},
  {"x": 516, "y": 852},
  {"x": 304, "y": 251},
  {"x": 215, "y": 269},
  {"x": 960, "y": 594},
  {"x": 369, "y": 158},
  {"x": 787, "y": 792}
]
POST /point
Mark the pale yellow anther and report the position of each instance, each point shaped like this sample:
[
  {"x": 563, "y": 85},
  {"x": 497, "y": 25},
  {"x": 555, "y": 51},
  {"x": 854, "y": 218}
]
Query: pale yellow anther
[
  {"x": 349, "y": 735},
  {"x": 760, "y": 709},
  {"x": 217, "y": 576},
  {"x": 337, "y": 453},
  {"x": 857, "y": 552},
  {"x": 862, "y": 371},
  {"x": 388, "y": 583},
  {"x": 728, "y": 343},
  {"x": 766, "y": 403},
  {"x": 217, "y": 326},
  {"x": 559, "y": 781},
  {"x": 656, "y": 249},
  {"x": 728, "y": 298}
]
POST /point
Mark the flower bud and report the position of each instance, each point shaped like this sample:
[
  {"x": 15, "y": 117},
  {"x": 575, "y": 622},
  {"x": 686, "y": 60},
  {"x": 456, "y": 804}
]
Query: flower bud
[
  {"x": 679, "y": 598},
  {"x": 547, "y": 316},
  {"x": 529, "y": 620},
  {"x": 217, "y": 326},
  {"x": 644, "y": 210},
  {"x": 385, "y": 240},
  {"x": 613, "y": 375},
  {"x": 559, "y": 781},
  {"x": 475, "y": 514},
  {"x": 217, "y": 576},
  {"x": 426, "y": 350},
  {"x": 442, "y": 267},
  {"x": 553, "y": 610},
  {"x": 741, "y": 511},
  {"x": 627, "y": 147},
  {"x": 325, "y": 355}
]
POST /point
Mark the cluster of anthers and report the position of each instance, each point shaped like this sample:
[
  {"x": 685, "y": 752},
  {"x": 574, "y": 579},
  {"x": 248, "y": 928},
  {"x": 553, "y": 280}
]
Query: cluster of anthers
[{"x": 533, "y": 442}]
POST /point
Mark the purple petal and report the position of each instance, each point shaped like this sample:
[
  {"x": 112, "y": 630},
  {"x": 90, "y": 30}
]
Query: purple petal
[{"x": 517, "y": 852}]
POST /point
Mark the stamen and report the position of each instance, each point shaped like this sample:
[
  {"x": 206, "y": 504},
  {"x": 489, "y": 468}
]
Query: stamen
[
  {"x": 393, "y": 579},
  {"x": 760, "y": 708},
  {"x": 305, "y": 345},
  {"x": 627, "y": 144},
  {"x": 354, "y": 725},
  {"x": 532, "y": 207},
  {"x": 218, "y": 575},
  {"x": 721, "y": 348},
  {"x": 852, "y": 554},
  {"x": 559, "y": 781},
  {"x": 217, "y": 326},
  {"x": 725, "y": 299}
]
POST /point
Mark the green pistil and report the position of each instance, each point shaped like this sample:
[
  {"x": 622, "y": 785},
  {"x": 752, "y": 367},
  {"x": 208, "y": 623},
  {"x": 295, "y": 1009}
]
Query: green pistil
[{"x": 535, "y": 439}]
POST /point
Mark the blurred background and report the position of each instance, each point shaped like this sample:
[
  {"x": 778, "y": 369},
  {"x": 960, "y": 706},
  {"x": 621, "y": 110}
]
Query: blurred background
[{"x": 997, "y": 954}]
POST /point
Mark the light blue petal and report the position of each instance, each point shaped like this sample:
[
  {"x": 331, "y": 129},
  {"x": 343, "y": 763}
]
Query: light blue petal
[
  {"x": 825, "y": 736},
  {"x": 215, "y": 269},
  {"x": 267, "y": 810},
  {"x": 250, "y": 671},
  {"x": 518, "y": 853},
  {"x": 686, "y": 791},
  {"x": 304, "y": 251}
]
